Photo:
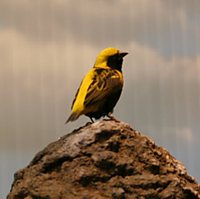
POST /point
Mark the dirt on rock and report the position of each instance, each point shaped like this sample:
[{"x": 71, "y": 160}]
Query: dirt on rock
[{"x": 105, "y": 159}]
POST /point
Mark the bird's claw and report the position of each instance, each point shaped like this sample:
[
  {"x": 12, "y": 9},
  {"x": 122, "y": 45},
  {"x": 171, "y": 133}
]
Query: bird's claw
[{"x": 112, "y": 117}]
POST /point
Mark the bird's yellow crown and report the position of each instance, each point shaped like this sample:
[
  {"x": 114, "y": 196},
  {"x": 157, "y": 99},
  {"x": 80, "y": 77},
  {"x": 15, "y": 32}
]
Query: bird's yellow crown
[{"x": 101, "y": 60}]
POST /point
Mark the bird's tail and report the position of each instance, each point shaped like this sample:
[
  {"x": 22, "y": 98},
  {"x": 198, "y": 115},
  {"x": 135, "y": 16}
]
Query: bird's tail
[{"x": 72, "y": 117}]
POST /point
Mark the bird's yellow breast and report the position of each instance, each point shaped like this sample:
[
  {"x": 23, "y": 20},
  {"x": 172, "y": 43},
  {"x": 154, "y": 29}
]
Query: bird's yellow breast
[{"x": 79, "y": 101}]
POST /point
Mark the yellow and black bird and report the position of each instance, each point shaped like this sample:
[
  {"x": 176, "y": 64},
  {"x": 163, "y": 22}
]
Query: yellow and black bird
[{"x": 101, "y": 88}]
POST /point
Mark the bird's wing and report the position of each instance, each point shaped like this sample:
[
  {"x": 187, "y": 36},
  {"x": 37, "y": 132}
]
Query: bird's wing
[
  {"x": 105, "y": 83},
  {"x": 78, "y": 102},
  {"x": 75, "y": 96}
]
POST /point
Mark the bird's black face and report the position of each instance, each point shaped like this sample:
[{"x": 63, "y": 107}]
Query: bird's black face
[{"x": 115, "y": 61}]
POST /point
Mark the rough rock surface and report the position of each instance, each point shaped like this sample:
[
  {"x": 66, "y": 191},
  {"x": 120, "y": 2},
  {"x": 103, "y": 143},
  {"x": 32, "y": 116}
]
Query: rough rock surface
[{"x": 106, "y": 159}]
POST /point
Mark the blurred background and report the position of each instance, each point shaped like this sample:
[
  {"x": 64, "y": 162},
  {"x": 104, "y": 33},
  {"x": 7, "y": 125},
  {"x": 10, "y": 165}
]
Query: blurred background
[{"x": 46, "y": 47}]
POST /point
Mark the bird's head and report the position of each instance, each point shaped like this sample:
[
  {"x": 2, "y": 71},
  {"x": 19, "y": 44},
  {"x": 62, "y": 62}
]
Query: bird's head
[{"x": 110, "y": 58}]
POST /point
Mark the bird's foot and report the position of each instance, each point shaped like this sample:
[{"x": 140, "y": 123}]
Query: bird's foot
[
  {"x": 88, "y": 123},
  {"x": 111, "y": 117}
]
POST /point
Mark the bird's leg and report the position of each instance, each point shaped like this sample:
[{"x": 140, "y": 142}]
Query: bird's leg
[
  {"x": 109, "y": 115},
  {"x": 88, "y": 123},
  {"x": 91, "y": 120}
]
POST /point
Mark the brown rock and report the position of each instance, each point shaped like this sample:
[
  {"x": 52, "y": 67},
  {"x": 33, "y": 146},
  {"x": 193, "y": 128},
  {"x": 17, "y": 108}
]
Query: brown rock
[{"x": 106, "y": 159}]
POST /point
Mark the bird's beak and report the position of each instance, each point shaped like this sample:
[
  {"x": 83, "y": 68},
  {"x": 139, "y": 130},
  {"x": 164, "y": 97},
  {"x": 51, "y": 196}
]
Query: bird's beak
[{"x": 123, "y": 54}]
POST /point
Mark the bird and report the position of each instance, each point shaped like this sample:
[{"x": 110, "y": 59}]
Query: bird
[{"x": 101, "y": 87}]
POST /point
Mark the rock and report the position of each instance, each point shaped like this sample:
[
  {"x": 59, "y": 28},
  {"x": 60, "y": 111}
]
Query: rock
[{"x": 105, "y": 159}]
